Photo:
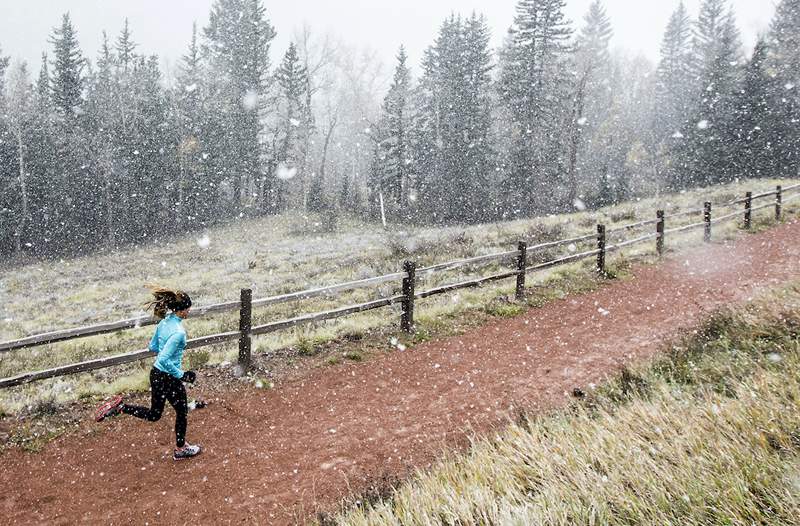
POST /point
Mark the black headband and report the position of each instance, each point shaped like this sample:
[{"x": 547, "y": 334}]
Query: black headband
[{"x": 182, "y": 304}]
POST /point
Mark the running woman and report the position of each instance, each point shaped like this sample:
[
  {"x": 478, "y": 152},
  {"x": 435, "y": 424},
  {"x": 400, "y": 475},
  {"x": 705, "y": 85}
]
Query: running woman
[{"x": 166, "y": 376}]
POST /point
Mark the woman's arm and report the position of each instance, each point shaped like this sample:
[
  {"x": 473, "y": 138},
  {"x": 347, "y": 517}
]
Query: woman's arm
[
  {"x": 154, "y": 342},
  {"x": 172, "y": 354}
]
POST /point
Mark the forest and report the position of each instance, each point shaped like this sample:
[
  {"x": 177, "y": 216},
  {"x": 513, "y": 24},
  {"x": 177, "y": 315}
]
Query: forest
[{"x": 98, "y": 153}]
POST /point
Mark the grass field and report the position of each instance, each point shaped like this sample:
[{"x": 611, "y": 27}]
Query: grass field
[
  {"x": 707, "y": 434},
  {"x": 284, "y": 254}
]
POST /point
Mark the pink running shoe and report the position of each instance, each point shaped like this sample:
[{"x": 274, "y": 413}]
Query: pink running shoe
[{"x": 110, "y": 408}]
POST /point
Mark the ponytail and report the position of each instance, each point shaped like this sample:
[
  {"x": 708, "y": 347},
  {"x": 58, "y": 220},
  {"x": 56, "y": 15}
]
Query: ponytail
[{"x": 167, "y": 299}]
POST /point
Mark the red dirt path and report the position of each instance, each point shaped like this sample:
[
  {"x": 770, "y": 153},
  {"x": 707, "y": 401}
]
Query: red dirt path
[{"x": 276, "y": 456}]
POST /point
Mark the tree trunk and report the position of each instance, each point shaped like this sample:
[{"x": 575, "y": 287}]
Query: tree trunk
[
  {"x": 23, "y": 220},
  {"x": 575, "y": 135}
]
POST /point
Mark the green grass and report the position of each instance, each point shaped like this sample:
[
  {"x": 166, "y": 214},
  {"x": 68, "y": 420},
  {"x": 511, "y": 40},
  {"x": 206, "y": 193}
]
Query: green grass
[
  {"x": 290, "y": 253},
  {"x": 707, "y": 434}
]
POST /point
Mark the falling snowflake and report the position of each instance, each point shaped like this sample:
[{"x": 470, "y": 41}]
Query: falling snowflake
[
  {"x": 702, "y": 125},
  {"x": 582, "y": 121},
  {"x": 284, "y": 173},
  {"x": 677, "y": 135},
  {"x": 250, "y": 100},
  {"x": 191, "y": 88},
  {"x": 579, "y": 205},
  {"x": 204, "y": 241}
]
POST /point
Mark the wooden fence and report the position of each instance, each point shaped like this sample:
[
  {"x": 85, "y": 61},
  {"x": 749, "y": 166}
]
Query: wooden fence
[{"x": 408, "y": 280}]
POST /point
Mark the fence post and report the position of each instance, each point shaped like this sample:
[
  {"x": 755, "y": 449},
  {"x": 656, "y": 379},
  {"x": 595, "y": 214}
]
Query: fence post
[
  {"x": 778, "y": 201},
  {"x": 407, "y": 318},
  {"x": 748, "y": 210},
  {"x": 660, "y": 232},
  {"x": 245, "y": 325},
  {"x": 707, "y": 220},
  {"x": 522, "y": 263},
  {"x": 601, "y": 246}
]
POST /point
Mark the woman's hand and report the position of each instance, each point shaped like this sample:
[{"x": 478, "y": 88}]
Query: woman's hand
[{"x": 189, "y": 377}]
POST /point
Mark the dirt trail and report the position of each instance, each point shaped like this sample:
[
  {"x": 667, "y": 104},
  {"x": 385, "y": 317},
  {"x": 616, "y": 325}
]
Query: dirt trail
[{"x": 278, "y": 455}]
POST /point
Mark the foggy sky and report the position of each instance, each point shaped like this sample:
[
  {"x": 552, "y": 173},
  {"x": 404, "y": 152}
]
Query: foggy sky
[{"x": 163, "y": 27}]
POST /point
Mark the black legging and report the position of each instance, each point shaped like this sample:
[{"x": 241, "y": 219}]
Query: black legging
[{"x": 164, "y": 387}]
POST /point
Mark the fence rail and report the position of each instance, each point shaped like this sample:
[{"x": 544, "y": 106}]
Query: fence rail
[{"x": 407, "y": 278}]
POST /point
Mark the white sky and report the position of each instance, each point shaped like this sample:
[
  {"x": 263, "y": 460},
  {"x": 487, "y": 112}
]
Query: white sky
[{"x": 163, "y": 27}]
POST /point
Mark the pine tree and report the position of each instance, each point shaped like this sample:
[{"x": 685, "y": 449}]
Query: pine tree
[
  {"x": 393, "y": 153},
  {"x": 707, "y": 151},
  {"x": 755, "y": 125},
  {"x": 196, "y": 189},
  {"x": 99, "y": 127},
  {"x": 238, "y": 38},
  {"x": 479, "y": 156},
  {"x": 125, "y": 47},
  {"x": 675, "y": 90},
  {"x": 291, "y": 80},
  {"x": 43, "y": 82},
  {"x": 451, "y": 129},
  {"x": 534, "y": 86},
  {"x": 44, "y": 169},
  {"x": 784, "y": 63},
  {"x": 151, "y": 163},
  {"x": 8, "y": 218},
  {"x": 67, "y": 80},
  {"x": 592, "y": 98},
  {"x": 74, "y": 208}
]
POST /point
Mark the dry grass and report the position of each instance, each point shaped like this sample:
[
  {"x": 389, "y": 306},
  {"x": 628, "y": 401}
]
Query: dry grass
[
  {"x": 710, "y": 434},
  {"x": 274, "y": 256}
]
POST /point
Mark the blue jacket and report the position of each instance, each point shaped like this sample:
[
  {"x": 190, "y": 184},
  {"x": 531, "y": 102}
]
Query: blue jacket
[{"x": 169, "y": 341}]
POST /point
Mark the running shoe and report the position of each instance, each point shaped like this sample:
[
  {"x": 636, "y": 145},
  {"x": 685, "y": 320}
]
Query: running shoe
[
  {"x": 187, "y": 451},
  {"x": 110, "y": 408}
]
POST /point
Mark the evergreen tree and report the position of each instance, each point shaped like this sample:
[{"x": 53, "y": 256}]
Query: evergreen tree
[
  {"x": 8, "y": 219},
  {"x": 675, "y": 89},
  {"x": 534, "y": 85},
  {"x": 592, "y": 98},
  {"x": 756, "y": 128},
  {"x": 151, "y": 165},
  {"x": 393, "y": 153},
  {"x": 291, "y": 79},
  {"x": 99, "y": 124},
  {"x": 196, "y": 189},
  {"x": 73, "y": 208},
  {"x": 452, "y": 146},
  {"x": 44, "y": 169},
  {"x": 784, "y": 64},
  {"x": 479, "y": 157},
  {"x": 125, "y": 47},
  {"x": 238, "y": 38},
  {"x": 67, "y": 80},
  {"x": 707, "y": 151}
]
